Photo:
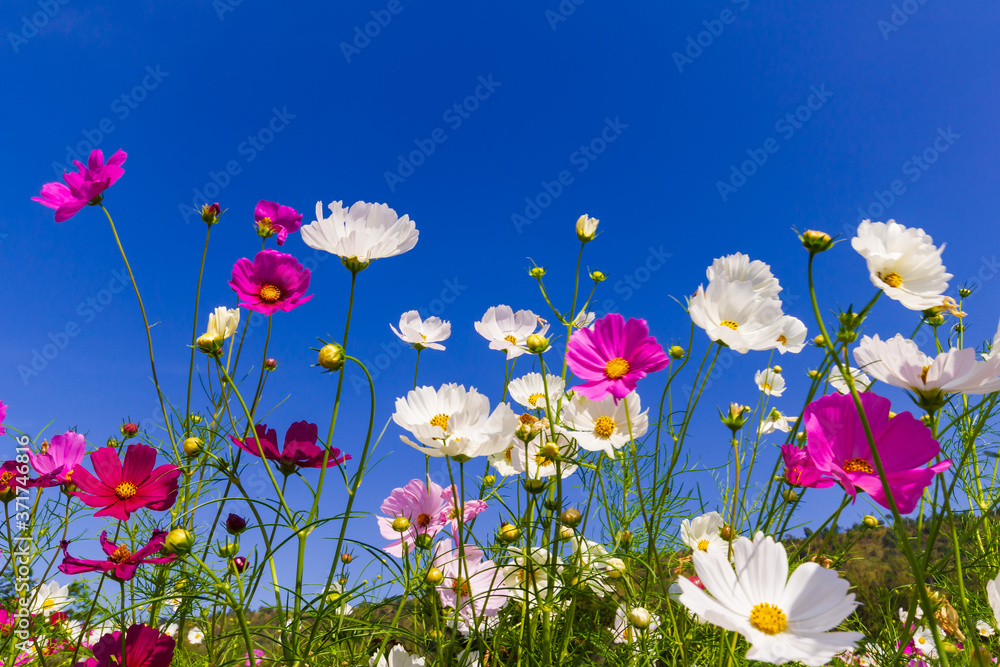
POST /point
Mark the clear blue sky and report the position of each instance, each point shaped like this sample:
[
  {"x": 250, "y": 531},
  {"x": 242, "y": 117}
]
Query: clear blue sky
[{"x": 643, "y": 110}]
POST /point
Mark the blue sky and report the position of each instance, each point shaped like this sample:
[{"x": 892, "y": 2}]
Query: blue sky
[{"x": 639, "y": 114}]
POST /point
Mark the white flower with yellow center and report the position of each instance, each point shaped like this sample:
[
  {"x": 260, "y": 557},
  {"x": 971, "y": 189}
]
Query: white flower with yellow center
[
  {"x": 510, "y": 460},
  {"x": 792, "y": 336},
  {"x": 453, "y": 421},
  {"x": 731, "y": 313},
  {"x": 770, "y": 382},
  {"x": 529, "y": 390},
  {"x": 508, "y": 331},
  {"x": 361, "y": 233},
  {"x": 899, "y": 362},
  {"x": 422, "y": 333},
  {"x": 903, "y": 263},
  {"x": 195, "y": 636},
  {"x": 739, "y": 268},
  {"x": 397, "y": 657},
  {"x": 985, "y": 629},
  {"x": 783, "y": 618},
  {"x": 702, "y": 533},
  {"x": 541, "y": 458},
  {"x": 603, "y": 426},
  {"x": 776, "y": 421},
  {"x": 171, "y": 630},
  {"x": 223, "y": 323},
  {"x": 861, "y": 381},
  {"x": 49, "y": 598},
  {"x": 534, "y": 576},
  {"x": 923, "y": 641}
]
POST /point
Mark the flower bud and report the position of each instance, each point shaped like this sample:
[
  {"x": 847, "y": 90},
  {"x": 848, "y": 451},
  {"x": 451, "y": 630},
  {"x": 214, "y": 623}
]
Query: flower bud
[
  {"x": 813, "y": 374},
  {"x": 565, "y": 533},
  {"x": 235, "y": 524},
  {"x": 815, "y": 241},
  {"x": 222, "y": 587},
  {"x": 639, "y": 618},
  {"x": 237, "y": 565},
  {"x": 508, "y": 533},
  {"x": 193, "y": 446},
  {"x": 210, "y": 213},
  {"x": 210, "y": 344},
  {"x": 400, "y": 524},
  {"x": 616, "y": 568},
  {"x": 870, "y": 521},
  {"x": 819, "y": 341},
  {"x": 777, "y": 369},
  {"x": 195, "y": 419},
  {"x": 598, "y": 276},
  {"x": 331, "y": 357},
  {"x": 726, "y": 532},
  {"x": 935, "y": 320},
  {"x": 179, "y": 541},
  {"x": 571, "y": 517},
  {"x": 112, "y": 442},
  {"x": 624, "y": 538},
  {"x": 790, "y": 496},
  {"x": 586, "y": 228},
  {"x": 489, "y": 481},
  {"x": 424, "y": 541},
  {"x": 535, "y": 486},
  {"x": 736, "y": 417},
  {"x": 227, "y": 550},
  {"x": 434, "y": 576},
  {"x": 129, "y": 429},
  {"x": 677, "y": 352},
  {"x": 537, "y": 343},
  {"x": 536, "y": 272},
  {"x": 270, "y": 364},
  {"x": 964, "y": 292},
  {"x": 552, "y": 504},
  {"x": 550, "y": 451}
]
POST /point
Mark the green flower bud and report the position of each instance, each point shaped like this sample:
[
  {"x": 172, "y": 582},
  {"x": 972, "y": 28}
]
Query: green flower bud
[
  {"x": 331, "y": 356},
  {"x": 179, "y": 542}
]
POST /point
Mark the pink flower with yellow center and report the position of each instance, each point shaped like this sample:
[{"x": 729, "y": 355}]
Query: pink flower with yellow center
[
  {"x": 838, "y": 448},
  {"x": 121, "y": 563},
  {"x": 273, "y": 218},
  {"x": 144, "y": 647},
  {"x": 273, "y": 281},
  {"x": 85, "y": 186},
  {"x": 59, "y": 457},
  {"x": 613, "y": 356},
  {"x": 121, "y": 488},
  {"x": 423, "y": 504}
]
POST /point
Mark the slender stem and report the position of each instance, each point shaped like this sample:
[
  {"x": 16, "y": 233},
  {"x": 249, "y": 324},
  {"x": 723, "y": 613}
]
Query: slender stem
[{"x": 194, "y": 331}]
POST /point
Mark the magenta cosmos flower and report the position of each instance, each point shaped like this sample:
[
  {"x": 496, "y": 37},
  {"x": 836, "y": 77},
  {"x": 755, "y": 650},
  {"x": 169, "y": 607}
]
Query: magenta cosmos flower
[
  {"x": 122, "y": 488},
  {"x": 613, "y": 356},
  {"x": 800, "y": 470},
  {"x": 60, "y": 456},
  {"x": 273, "y": 281},
  {"x": 3, "y": 415},
  {"x": 144, "y": 647},
  {"x": 273, "y": 218},
  {"x": 121, "y": 563},
  {"x": 300, "y": 450},
  {"x": 14, "y": 477},
  {"x": 423, "y": 505},
  {"x": 837, "y": 445},
  {"x": 83, "y": 187}
]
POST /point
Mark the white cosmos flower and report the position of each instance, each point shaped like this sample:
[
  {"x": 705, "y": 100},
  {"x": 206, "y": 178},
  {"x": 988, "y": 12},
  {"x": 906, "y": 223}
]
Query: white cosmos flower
[
  {"x": 397, "y": 657},
  {"x": 903, "y": 263},
  {"x": 624, "y": 632},
  {"x": 776, "y": 422},
  {"x": 899, "y": 362},
  {"x": 49, "y": 598},
  {"x": 171, "y": 630},
  {"x": 603, "y": 425},
  {"x": 508, "y": 331},
  {"x": 985, "y": 629},
  {"x": 594, "y": 562},
  {"x": 739, "y": 268},
  {"x": 540, "y": 466},
  {"x": 861, "y": 381},
  {"x": 792, "y": 337},
  {"x": 361, "y": 233},
  {"x": 904, "y": 617},
  {"x": 923, "y": 641},
  {"x": 730, "y": 312},
  {"x": 195, "y": 636},
  {"x": 770, "y": 382},
  {"x": 783, "y": 618},
  {"x": 529, "y": 578},
  {"x": 453, "y": 421},
  {"x": 529, "y": 390},
  {"x": 509, "y": 461},
  {"x": 993, "y": 595},
  {"x": 584, "y": 319},
  {"x": 702, "y": 533},
  {"x": 223, "y": 322},
  {"x": 422, "y": 333}
]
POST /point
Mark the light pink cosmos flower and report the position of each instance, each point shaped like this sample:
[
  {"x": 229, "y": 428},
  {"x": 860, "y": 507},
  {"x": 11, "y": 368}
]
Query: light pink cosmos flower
[
  {"x": 83, "y": 187},
  {"x": 613, "y": 356},
  {"x": 838, "y": 447},
  {"x": 424, "y": 504},
  {"x": 273, "y": 281},
  {"x": 470, "y": 510},
  {"x": 472, "y": 583},
  {"x": 274, "y": 218},
  {"x": 64, "y": 453}
]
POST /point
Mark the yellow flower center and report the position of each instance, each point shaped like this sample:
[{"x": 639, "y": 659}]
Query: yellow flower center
[
  {"x": 857, "y": 465},
  {"x": 533, "y": 399},
  {"x": 892, "y": 279},
  {"x": 423, "y": 520},
  {"x": 461, "y": 587},
  {"x": 604, "y": 427},
  {"x": 923, "y": 373},
  {"x": 616, "y": 368},
  {"x": 126, "y": 490},
  {"x": 729, "y": 323},
  {"x": 120, "y": 555},
  {"x": 48, "y": 604},
  {"x": 508, "y": 454},
  {"x": 782, "y": 339},
  {"x": 765, "y": 386},
  {"x": 768, "y": 619},
  {"x": 440, "y": 420},
  {"x": 5, "y": 478},
  {"x": 541, "y": 460},
  {"x": 270, "y": 293},
  {"x": 510, "y": 339},
  {"x": 703, "y": 545}
]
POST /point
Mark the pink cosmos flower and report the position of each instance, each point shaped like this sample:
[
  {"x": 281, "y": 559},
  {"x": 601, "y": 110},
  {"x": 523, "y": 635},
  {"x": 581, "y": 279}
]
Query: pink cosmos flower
[
  {"x": 800, "y": 469},
  {"x": 14, "y": 477},
  {"x": 121, "y": 563},
  {"x": 122, "y": 488},
  {"x": 299, "y": 451},
  {"x": 423, "y": 504},
  {"x": 474, "y": 583},
  {"x": 144, "y": 647},
  {"x": 837, "y": 445},
  {"x": 83, "y": 187},
  {"x": 271, "y": 217},
  {"x": 273, "y": 281},
  {"x": 470, "y": 510},
  {"x": 3, "y": 415},
  {"x": 258, "y": 655},
  {"x": 60, "y": 456},
  {"x": 613, "y": 356}
]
